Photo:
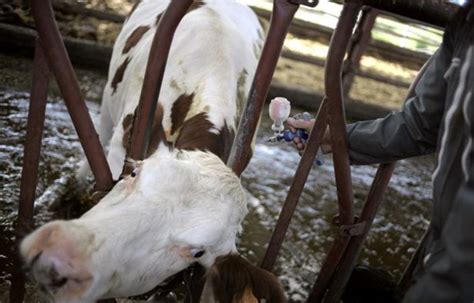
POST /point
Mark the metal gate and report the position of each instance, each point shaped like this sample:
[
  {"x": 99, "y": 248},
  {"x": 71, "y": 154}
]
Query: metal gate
[{"x": 51, "y": 56}]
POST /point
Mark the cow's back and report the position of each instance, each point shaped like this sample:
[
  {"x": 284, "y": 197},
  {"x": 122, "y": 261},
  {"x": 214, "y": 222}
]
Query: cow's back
[{"x": 210, "y": 66}]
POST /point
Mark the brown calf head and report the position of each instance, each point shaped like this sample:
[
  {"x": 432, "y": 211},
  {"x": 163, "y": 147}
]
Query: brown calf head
[{"x": 235, "y": 280}]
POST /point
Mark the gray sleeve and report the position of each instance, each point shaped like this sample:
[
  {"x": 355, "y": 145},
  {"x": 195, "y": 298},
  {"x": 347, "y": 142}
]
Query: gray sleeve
[
  {"x": 413, "y": 131},
  {"x": 450, "y": 278}
]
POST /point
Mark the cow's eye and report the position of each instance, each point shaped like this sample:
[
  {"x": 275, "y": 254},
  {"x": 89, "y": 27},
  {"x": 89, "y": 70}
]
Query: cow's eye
[
  {"x": 198, "y": 253},
  {"x": 134, "y": 173}
]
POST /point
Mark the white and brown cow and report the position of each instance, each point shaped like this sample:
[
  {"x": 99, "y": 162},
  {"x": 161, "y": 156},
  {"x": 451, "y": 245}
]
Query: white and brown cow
[{"x": 179, "y": 206}]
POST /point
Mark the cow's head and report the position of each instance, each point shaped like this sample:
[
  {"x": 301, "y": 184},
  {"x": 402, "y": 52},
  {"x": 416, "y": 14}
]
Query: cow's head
[{"x": 176, "y": 208}]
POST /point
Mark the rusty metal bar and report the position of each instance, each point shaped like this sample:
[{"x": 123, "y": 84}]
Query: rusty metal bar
[
  {"x": 60, "y": 64},
  {"x": 143, "y": 120},
  {"x": 359, "y": 44},
  {"x": 435, "y": 12},
  {"x": 31, "y": 158},
  {"x": 299, "y": 180},
  {"x": 145, "y": 113},
  {"x": 337, "y": 122},
  {"x": 371, "y": 206},
  {"x": 282, "y": 15},
  {"x": 333, "y": 86},
  {"x": 406, "y": 281}
]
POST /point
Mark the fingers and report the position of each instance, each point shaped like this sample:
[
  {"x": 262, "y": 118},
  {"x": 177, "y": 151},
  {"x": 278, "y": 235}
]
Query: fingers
[
  {"x": 293, "y": 124},
  {"x": 289, "y": 124}
]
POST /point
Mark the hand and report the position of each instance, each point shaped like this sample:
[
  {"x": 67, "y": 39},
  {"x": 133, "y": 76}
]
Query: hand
[{"x": 293, "y": 124}]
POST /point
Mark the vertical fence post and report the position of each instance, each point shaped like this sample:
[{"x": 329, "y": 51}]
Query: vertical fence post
[
  {"x": 61, "y": 66},
  {"x": 31, "y": 158},
  {"x": 371, "y": 206},
  {"x": 358, "y": 46},
  {"x": 282, "y": 15},
  {"x": 296, "y": 188},
  {"x": 333, "y": 87},
  {"x": 155, "y": 69}
]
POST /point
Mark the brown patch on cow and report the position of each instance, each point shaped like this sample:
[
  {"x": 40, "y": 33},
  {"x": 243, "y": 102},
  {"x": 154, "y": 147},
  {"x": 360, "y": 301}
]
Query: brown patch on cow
[
  {"x": 179, "y": 111},
  {"x": 157, "y": 132},
  {"x": 235, "y": 280},
  {"x": 195, "y": 5},
  {"x": 127, "y": 130},
  {"x": 196, "y": 134},
  {"x": 134, "y": 7},
  {"x": 118, "y": 77},
  {"x": 134, "y": 38}
]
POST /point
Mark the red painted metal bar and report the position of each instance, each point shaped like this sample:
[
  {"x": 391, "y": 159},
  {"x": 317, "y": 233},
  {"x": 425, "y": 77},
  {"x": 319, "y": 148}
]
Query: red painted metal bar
[
  {"x": 282, "y": 15},
  {"x": 372, "y": 204},
  {"x": 31, "y": 158},
  {"x": 333, "y": 86},
  {"x": 359, "y": 44},
  {"x": 299, "y": 180},
  {"x": 337, "y": 122},
  {"x": 60, "y": 64},
  {"x": 435, "y": 12},
  {"x": 145, "y": 113},
  {"x": 143, "y": 120}
]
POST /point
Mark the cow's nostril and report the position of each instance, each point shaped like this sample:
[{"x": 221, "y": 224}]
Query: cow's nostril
[
  {"x": 56, "y": 279},
  {"x": 58, "y": 283}
]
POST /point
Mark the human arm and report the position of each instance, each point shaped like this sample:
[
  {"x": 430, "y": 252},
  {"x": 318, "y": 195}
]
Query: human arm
[
  {"x": 409, "y": 132},
  {"x": 412, "y": 131}
]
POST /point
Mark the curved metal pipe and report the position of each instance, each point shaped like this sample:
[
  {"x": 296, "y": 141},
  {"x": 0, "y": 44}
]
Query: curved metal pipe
[
  {"x": 297, "y": 186},
  {"x": 333, "y": 87},
  {"x": 61, "y": 66},
  {"x": 143, "y": 120},
  {"x": 31, "y": 158},
  {"x": 337, "y": 122},
  {"x": 371, "y": 206},
  {"x": 241, "y": 151}
]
